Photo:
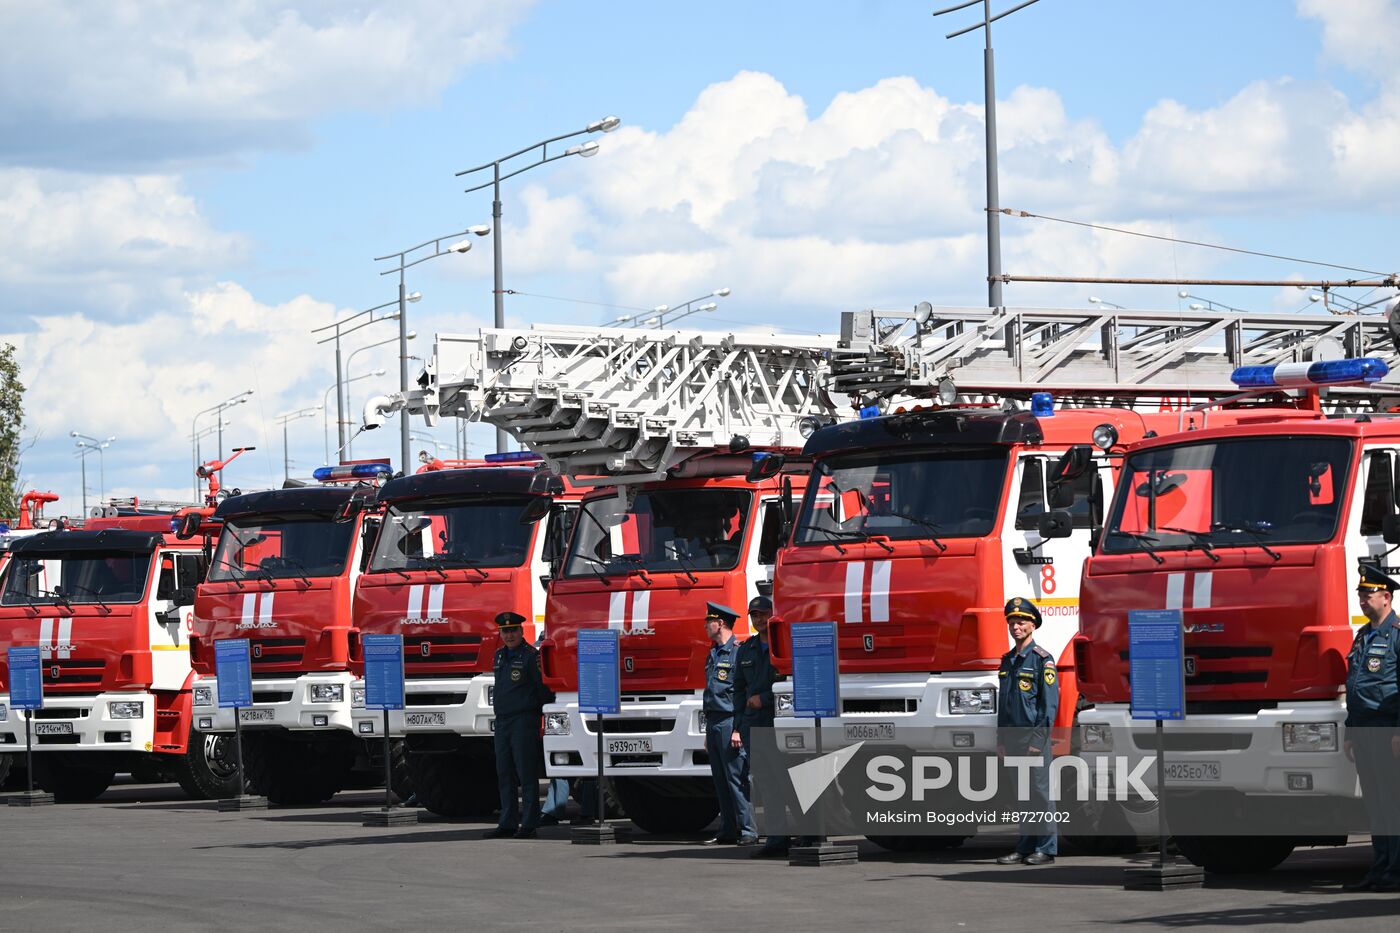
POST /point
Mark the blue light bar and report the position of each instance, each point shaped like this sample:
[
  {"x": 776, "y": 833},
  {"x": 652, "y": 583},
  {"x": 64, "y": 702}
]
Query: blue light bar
[
  {"x": 513, "y": 456},
  {"x": 345, "y": 471},
  {"x": 870, "y": 411},
  {"x": 1042, "y": 404},
  {"x": 174, "y": 524},
  {"x": 1357, "y": 371}
]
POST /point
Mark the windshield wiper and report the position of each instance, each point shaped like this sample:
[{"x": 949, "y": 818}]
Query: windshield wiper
[
  {"x": 1141, "y": 541},
  {"x": 54, "y": 594},
  {"x": 596, "y": 564},
  {"x": 930, "y": 527},
  {"x": 91, "y": 592},
  {"x": 1199, "y": 541},
  {"x": 436, "y": 562},
  {"x": 1255, "y": 530},
  {"x": 836, "y": 536},
  {"x": 237, "y": 581},
  {"x": 689, "y": 571},
  {"x": 638, "y": 566},
  {"x": 860, "y": 537},
  {"x": 296, "y": 565}
]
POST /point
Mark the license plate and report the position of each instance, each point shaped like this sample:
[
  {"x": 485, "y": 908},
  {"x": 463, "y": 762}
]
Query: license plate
[
  {"x": 255, "y": 715},
  {"x": 629, "y": 746},
  {"x": 1192, "y": 771},
  {"x": 53, "y": 728},
  {"x": 425, "y": 719},
  {"x": 859, "y": 731}
]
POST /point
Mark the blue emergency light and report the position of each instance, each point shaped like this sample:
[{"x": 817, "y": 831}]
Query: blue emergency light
[
  {"x": 344, "y": 471},
  {"x": 870, "y": 411},
  {"x": 1042, "y": 404},
  {"x": 1301, "y": 375},
  {"x": 513, "y": 456}
]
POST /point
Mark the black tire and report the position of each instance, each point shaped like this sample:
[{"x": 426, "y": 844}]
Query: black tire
[
  {"x": 70, "y": 779},
  {"x": 653, "y": 809},
  {"x": 5, "y": 762},
  {"x": 291, "y": 771},
  {"x": 208, "y": 770},
  {"x": 918, "y": 843},
  {"x": 400, "y": 780},
  {"x": 454, "y": 784},
  {"x": 1235, "y": 855},
  {"x": 612, "y": 807}
]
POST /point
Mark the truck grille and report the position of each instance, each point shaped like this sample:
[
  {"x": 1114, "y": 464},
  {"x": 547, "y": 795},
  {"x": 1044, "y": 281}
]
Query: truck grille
[
  {"x": 441, "y": 649},
  {"x": 72, "y": 672},
  {"x": 277, "y": 651},
  {"x": 631, "y": 726}
]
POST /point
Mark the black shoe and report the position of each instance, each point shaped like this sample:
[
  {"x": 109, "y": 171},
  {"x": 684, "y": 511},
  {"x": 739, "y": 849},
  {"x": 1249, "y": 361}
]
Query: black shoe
[
  {"x": 1365, "y": 884},
  {"x": 500, "y": 832},
  {"x": 771, "y": 852},
  {"x": 720, "y": 841},
  {"x": 1387, "y": 885},
  {"x": 747, "y": 841},
  {"x": 1038, "y": 858},
  {"x": 1013, "y": 858},
  {"x": 549, "y": 819},
  {"x": 524, "y": 834}
]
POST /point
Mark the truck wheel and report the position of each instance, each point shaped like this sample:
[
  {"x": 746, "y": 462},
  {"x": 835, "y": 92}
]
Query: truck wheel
[
  {"x": 5, "y": 762},
  {"x": 400, "y": 780},
  {"x": 146, "y": 770},
  {"x": 453, "y": 784},
  {"x": 290, "y": 771},
  {"x": 208, "y": 770},
  {"x": 70, "y": 779},
  {"x": 918, "y": 843},
  {"x": 667, "y": 809},
  {"x": 1235, "y": 855}
]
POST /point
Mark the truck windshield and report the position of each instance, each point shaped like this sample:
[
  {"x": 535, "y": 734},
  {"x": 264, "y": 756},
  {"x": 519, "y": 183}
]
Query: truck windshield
[
  {"x": 87, "y": 577},
  {"x": 676, "y": 530},
  {"x": 903, "y": 495},
  {"x": 1237, "y": 493},
  {"x": 478, "y": 533},
  {"x": 282, "y": 547}
]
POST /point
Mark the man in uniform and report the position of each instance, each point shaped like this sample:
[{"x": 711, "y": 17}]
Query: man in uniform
[
  {"x": 520, "y": 696},
  {"x": 753, "y": 688},
  {"x": 1027, "y": 700},
  {"x": 726, "y": 761},
  {"x": 1373, "y": 706}
]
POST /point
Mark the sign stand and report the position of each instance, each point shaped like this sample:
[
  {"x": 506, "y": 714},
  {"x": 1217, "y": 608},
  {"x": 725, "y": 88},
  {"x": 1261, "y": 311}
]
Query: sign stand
[
  {"x": 1157, "y": 684},
  {"x": 816, "y": 693},
  {"x": 27, "y": 693},
  {"x": 234, "y": 668},
  {"x": 384, "y": 690},
  {"x": 599, "y": 692}
]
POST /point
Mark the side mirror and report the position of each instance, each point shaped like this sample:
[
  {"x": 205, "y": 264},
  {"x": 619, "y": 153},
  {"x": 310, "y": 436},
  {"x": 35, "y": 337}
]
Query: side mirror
[
  {"x": 348, "y": 510},
  {"x": 189, "y": 526},
  {"x": 184, "y": 596},
  {"x": 765, "y": 466},
  {"x": 1073, "y": 464},
  {"x": 1055, "y": 524},
  {"x": 1096, "y": 502},
  {"x": 788, "y": 514},
  {"x": 537, "y": 509},
  {"x": 1390, "y": 529}
]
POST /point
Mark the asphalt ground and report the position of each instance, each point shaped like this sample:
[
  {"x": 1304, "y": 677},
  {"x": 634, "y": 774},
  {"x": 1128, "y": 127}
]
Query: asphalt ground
[{"x": 145, "y": 858}]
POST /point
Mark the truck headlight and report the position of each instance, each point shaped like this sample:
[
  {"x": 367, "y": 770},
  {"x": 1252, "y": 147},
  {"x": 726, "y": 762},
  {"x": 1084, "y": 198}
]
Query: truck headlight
[
  {"x": 357, "y": 697},
  {"x": 966, "y": 701},
  {"x": 1310, "y": 736},
  {"x": 203, "y": 696},
  {"x": 782, "y": 705},
  {"x": 557, "y": 724},
  {"x": 327, "y": 693},
  {"x": 491, "y": 696},
  {"x": 125, "y": 709},
  {"x": 700, "y": 721},
  {"x": 1096, "y": 738}
]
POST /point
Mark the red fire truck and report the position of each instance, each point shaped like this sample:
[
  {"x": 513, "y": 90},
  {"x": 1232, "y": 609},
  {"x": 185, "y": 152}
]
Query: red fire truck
[
  {"x": 109, "y": 607},
  {"x": 283, "y": 576},
  {"x": 1254, "y": 533},
  {"x": 456, "y": 547}
]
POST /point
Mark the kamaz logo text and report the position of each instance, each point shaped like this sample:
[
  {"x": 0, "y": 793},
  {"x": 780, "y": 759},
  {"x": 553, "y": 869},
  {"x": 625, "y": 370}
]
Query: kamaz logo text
[
  {"x": 428, "y": 620},
  {"x": 244, "y": 625},
  {"x": 640, "y": 606},
  {"x": 55, "y": 644},
  {"x": 1203, "y": 628}
]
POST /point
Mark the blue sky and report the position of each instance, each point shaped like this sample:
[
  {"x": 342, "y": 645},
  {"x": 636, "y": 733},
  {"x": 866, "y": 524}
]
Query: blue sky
[{"x": 189, "y": 188}]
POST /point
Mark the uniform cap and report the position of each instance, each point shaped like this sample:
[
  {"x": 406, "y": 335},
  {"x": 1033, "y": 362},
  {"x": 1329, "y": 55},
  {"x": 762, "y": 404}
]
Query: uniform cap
[
  {"x": 760, "y": 604},
  {"x": 1019, "y": 606},
  {"x": 509, "y": 619},
  {"x": 1372, "y": 578},
  {"x": 721, "y": 612}
]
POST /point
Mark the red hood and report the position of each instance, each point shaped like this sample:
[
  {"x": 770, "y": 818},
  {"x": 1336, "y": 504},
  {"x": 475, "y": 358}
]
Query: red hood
[
  {"x": 663, "y": 629},
  {"x": 91, "y": 650},
  {"x": 921, "y": 608},
  {"x": 293, "y": 627},
  {"x": 454, "y": 616},
  {"x": 1257, "y": 630}
]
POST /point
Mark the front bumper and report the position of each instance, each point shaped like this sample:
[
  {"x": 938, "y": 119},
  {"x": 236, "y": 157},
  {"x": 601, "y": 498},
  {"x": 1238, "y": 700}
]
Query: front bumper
[
  {"x": 459, "y": 706},
  {"x": 278, "y": 703},
  {"x": 92, "y": 726},
  {"x": 1248, "y": 749},
  {"x": 913, "y": 711},
  {"x": 655, "y": 736}
]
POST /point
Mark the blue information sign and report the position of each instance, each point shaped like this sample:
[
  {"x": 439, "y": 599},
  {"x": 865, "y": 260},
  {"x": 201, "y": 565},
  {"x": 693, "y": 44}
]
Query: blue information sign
[
  {"x": 1156, "y": 663},
  {"x": 26, "y": 679},
  {"x": 815, "y": 693},
  {"x": 383, "y": 671},
  {"x": 235, "y": 672},
  {"x": 599, "y": 683}
]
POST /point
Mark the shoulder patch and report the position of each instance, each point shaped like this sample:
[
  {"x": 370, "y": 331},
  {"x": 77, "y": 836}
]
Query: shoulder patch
[{"x": 1041, "y": 651}]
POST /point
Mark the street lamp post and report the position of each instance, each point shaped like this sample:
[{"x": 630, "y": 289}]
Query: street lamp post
[
  {"x": 337, "y": 325},
  {"x": 284, "y": 420},
  {"x": 586, "y": 150},
  {"x": 1207, "y": 304},
  {"x": 86, "y": 443},
  {"x": 461, "y": 246},
  {"x": 1096, "y": 300},
  {"x": 325, "y": 400},
  {"x": 669, "y": 314}
]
